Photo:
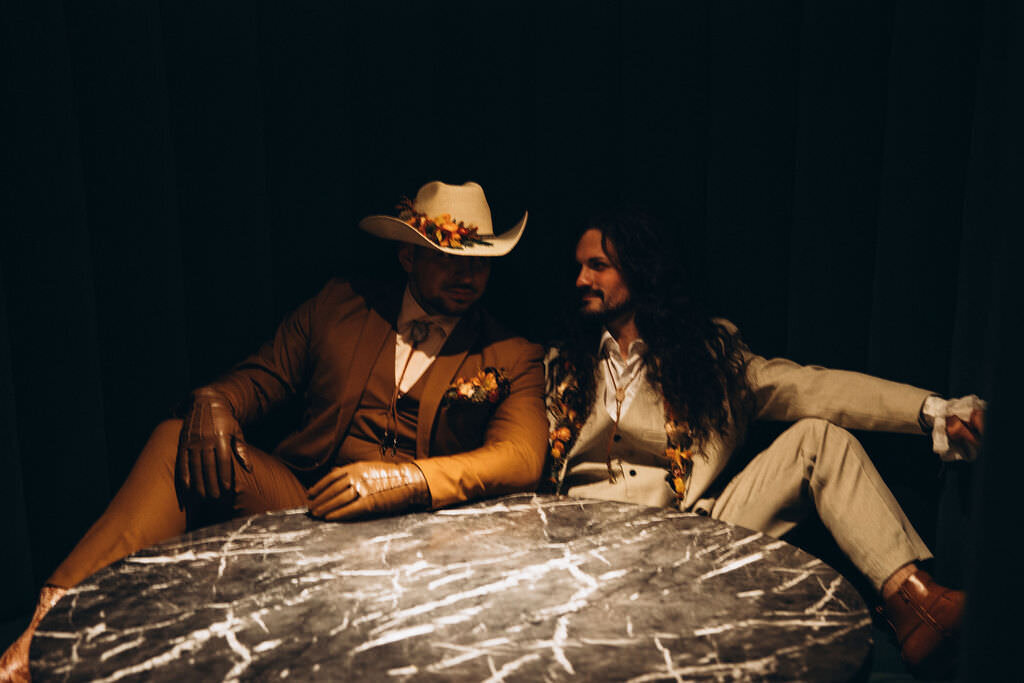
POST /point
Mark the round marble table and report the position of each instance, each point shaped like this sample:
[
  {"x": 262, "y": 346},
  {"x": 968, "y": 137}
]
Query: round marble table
[{"x": 522, "y": 588}]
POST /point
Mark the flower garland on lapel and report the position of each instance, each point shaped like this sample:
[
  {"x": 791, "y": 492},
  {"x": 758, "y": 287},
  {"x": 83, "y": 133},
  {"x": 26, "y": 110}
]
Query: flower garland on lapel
[
  {"x": 567, "y": 423},
  {"x": 678, "y": 455}
]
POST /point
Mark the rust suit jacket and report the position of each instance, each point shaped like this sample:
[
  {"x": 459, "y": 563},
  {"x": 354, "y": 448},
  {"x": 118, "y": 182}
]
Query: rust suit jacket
[{"x": 323, "y": 353}]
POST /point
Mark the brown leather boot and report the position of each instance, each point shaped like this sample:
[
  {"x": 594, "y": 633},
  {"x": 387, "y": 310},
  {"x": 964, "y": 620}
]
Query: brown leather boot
[
  {"x": 926, "y": 618},
  {"x": 14, "y": 663}
]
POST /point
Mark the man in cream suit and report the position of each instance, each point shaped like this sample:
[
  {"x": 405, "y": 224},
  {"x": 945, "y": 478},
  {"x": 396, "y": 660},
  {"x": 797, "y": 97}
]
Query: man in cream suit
[
  {"x": 649, "y": 399},
  {"x": 414, "y": 398}
]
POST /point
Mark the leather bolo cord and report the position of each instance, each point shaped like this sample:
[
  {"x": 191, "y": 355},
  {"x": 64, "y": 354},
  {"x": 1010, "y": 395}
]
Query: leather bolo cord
[
  {"x": 418, "y": 333},
  {"x": 620, "y": 397}
]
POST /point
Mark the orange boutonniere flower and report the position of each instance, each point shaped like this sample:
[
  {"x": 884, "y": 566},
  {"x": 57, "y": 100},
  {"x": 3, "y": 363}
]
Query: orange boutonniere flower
[
  {"x": 443, "y": 230},
  {"x": 487, "y": 386}
]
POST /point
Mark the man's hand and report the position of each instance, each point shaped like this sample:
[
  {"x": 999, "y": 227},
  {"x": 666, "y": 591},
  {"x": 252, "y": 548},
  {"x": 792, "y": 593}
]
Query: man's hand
[
  {"x": 368, "y": 487},
  {"x": 211, "y": 440},
  {"x": 967, "y": 433}
]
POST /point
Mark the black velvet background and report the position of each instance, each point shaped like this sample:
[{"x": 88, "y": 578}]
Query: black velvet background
[{"x": 180, "y": 174}]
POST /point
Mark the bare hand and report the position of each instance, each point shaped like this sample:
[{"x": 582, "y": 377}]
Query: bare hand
[
  {"x": 969, "y": 432},
  {"x": 368, "y": 487},
  {"x": 210, "y": 443}
]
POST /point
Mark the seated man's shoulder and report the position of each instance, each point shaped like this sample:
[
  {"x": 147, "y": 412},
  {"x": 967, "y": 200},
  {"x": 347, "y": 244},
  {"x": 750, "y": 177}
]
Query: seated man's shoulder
[
  {"x": 339, "y": 292},
  {"x": 501, "y": 339},
  {"x": 337, "y": 288}
]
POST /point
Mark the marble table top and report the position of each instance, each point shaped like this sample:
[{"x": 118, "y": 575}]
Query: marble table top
[{"x": 521, "y": 588}]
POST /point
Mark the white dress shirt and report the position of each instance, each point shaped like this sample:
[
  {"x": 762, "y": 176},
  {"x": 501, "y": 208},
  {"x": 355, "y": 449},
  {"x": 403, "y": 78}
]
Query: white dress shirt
[
  {"x": 619, "y": 372},
  {"x": 424, "y": 353}
]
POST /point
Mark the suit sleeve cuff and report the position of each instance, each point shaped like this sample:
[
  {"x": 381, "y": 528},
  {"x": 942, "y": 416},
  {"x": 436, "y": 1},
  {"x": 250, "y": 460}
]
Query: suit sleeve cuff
[{"x": 934, "y": 413}]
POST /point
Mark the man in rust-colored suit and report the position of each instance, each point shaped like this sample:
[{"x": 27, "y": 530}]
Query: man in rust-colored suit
[{"x": 414, "y": 399}]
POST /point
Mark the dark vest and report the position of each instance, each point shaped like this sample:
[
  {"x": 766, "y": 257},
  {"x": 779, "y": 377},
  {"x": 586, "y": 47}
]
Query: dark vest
[{"x": 370, "y": 421}]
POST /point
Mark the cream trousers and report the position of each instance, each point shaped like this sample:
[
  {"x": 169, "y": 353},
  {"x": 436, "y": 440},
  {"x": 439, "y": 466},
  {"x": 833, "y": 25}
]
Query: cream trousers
[{"x": 817, "y": 466}]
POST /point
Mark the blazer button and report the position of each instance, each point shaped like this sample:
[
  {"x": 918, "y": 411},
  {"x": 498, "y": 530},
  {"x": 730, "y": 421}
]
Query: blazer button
[
  {"x": 617, "y": 437},
  {"x": 632, "y": 473}
]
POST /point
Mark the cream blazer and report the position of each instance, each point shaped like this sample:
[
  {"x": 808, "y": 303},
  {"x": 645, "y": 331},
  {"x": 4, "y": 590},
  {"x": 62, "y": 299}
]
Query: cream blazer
[{"x": 782, "y": 391}]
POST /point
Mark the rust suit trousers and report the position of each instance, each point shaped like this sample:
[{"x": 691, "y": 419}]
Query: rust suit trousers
[{"x": 146, "y": 509}]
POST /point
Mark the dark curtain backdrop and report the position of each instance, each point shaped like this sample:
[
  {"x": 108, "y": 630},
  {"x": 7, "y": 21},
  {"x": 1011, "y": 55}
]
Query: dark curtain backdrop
[{"x": 178, "y": 175}]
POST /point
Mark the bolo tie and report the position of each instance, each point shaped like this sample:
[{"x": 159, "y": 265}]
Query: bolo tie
[
  {"x": 620, "y": 397},
  {"x": 419, "y": 330}
]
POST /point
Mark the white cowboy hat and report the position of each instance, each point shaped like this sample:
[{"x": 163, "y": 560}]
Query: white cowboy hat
[{"x": 464, "y": 204}]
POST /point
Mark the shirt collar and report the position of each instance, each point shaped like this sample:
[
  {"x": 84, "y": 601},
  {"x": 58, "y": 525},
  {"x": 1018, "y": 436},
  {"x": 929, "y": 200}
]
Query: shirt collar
[
  {"x": 411, "y": 310},
  {"x": 608, "y": 347}
]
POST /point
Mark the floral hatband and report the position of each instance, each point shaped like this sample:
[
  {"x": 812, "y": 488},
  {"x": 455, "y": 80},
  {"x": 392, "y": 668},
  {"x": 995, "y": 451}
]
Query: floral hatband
[{"x": 443, "y": 230}]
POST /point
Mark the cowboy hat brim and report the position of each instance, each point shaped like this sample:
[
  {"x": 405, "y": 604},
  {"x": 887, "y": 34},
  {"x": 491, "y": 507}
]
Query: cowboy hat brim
[{"x": 391, "y": 228}]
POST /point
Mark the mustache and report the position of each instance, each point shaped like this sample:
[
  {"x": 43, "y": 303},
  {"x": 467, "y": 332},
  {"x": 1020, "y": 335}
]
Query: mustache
[{"x": 583, "y": 292}]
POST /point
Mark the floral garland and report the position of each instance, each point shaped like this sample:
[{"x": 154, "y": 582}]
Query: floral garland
[
  {"x": 678, "y": 453},
  {"x": 443, "y": 230},
  {"x": 567, "y": 425},
  {"x": 488, "y": 386}
]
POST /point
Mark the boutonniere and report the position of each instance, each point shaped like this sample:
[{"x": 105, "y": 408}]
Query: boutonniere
[{"x": 489, "y": 386}]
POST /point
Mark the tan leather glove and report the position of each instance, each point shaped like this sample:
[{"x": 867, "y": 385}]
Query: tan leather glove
[
  {"x": 366, "y": 488},
  {"x": 211, "y": 442}
]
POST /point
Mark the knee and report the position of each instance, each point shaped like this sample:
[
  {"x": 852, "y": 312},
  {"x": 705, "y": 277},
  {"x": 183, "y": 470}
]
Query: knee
[
  {"x": 163, "y": 443},
  {"x": 820, "y": 438},
  {"x": 810, "y": 428},
  {"x": 168, "y": 429}
]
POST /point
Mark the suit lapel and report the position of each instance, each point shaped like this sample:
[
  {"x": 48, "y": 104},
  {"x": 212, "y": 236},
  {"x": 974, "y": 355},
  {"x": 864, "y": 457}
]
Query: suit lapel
[
  {"x": 440, "y": 376},
  {"x": 372, "y": 336}
]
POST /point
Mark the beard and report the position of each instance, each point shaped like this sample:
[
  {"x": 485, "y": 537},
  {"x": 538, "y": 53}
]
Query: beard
[{"x": 605, "y": 312}]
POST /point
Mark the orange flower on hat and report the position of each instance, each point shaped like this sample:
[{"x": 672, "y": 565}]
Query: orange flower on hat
[{"x": 443, "y": 230}]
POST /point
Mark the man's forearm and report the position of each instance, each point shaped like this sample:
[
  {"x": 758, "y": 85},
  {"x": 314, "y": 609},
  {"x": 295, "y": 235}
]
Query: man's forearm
[{"x": 515, "y": 445}]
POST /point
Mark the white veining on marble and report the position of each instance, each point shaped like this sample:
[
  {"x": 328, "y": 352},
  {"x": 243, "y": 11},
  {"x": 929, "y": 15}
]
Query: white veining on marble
[
  {"x": 121, "y": 648},
  {"x": 670, "y": 667},
  {"x": 732, "y": 566},
  {"x": 830, "y": 595},
  {"x": 394, "y": 636},
  {"x": 527, "y": 588},
  {"x": 501, "y": 674}
]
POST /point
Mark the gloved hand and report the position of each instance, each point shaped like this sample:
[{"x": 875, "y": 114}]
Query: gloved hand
[
  {"x": 368, "y": 487},
  {"x": 210, "y": 443}
]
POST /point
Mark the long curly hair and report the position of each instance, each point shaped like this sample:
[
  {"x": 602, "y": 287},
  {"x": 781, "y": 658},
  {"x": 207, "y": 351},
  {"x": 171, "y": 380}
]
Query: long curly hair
[{"x": 696, "y": 362}]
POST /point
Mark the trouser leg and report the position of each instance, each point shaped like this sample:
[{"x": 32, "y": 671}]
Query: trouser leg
[
  {"x": 815, "y": 465},
  {"x": 146, "y": 509}
]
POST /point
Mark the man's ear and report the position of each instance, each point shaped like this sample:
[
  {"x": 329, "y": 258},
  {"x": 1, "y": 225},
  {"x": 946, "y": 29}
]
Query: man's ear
[{"x": 406, "y": 255}]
